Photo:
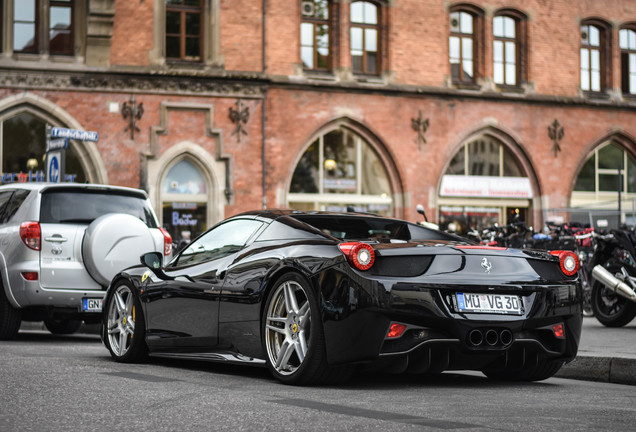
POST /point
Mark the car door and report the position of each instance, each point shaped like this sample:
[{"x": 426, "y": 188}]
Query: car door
[{"x": 182, "y": 310}]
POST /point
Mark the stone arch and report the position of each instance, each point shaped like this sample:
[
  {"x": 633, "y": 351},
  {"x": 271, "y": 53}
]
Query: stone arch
[
  {"x": 211, "y": 169},
  {"x": 369, "y": 137},
  {"x": 513, "y": 144},
  {"x": 87, "y": 152}
]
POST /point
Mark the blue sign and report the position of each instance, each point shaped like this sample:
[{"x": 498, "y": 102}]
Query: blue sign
[
  {"x": 53, "y": 171},
  {"x": 75, "y": 134},
  {"x": 56, "y": 144}
]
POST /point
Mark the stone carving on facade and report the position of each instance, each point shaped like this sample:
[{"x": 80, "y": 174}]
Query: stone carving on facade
[
  {"x": 420, "y": 125},
  {"x": 239, "y": 117},
  {"x": 556, "y": 132}
]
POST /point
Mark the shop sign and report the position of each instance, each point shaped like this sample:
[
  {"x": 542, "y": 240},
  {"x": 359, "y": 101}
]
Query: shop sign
[
  {"x": 485, "y": 187},
  {"x": 340, "y": 184},
  {"x": 31, "y": 176},
  {"x": 183, "y": 219},
  {"x": 75, "y": 134}
]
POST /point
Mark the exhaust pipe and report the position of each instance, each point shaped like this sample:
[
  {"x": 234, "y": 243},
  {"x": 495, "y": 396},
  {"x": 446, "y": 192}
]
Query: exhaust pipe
[{"x": 612, "y": 283}]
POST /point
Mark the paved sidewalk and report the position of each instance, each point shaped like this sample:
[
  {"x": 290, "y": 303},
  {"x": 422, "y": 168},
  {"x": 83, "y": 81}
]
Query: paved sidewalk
[{"x": 605, "y": 354}]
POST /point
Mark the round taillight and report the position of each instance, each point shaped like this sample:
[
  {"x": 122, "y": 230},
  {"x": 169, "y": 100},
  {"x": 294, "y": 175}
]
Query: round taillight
[
  {"x": 568, "y": 261},
  {"x": 360, "y": 255}
]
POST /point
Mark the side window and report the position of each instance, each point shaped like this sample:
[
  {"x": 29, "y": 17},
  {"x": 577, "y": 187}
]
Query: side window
[
  {"x": 221, "y": 241},
  {"x": 14, "y": 204},
  {"x": 5, "y": 197}
]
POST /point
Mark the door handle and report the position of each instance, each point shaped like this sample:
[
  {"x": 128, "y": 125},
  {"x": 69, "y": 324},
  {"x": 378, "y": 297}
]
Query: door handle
[{"x": 56, "y": 239}]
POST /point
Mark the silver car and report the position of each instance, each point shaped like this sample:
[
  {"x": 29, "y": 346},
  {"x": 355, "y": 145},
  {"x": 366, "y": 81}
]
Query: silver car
[{"x": 60, "y": 246}]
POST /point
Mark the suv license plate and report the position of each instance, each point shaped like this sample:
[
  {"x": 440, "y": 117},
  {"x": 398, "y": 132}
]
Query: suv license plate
[
  {"x": 92, "y": 305},
  {"x": 489, "y": 303}
]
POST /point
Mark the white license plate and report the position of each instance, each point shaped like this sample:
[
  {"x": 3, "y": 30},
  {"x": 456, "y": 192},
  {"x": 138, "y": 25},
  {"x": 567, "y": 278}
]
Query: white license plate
[
  {"x": 489, "y": 303},
  {"x": 92, "y": 305}
]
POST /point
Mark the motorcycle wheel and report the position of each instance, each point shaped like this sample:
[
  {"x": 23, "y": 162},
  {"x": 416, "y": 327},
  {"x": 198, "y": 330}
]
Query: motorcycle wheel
[{"x": 611, "y": 309}]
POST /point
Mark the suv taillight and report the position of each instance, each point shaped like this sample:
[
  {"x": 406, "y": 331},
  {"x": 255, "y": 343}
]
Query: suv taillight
[
  {"x": 30, "y": 234},
  {"x": 167, "y": 242}
]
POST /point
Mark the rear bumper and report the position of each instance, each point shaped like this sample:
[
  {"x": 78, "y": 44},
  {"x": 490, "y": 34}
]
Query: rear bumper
[{"x": 439, "y": 338}]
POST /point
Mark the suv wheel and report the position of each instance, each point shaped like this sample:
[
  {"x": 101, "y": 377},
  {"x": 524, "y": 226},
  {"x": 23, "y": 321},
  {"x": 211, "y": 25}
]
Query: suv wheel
[
  {"x": 62, "y": 327},
  {"x": 10, "y": 318}
]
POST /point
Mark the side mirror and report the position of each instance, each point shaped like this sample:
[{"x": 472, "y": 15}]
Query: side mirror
[
  {"x": 420, "y": 210},
  {"x": 153, "y": 261}
]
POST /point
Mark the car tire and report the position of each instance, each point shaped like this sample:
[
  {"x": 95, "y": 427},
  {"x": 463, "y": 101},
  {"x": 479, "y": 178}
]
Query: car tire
[
  {"x": 62, "y": 327},
  {"x": 10, "y": 318},
  {"x": 542, "y": 370},
  {"x": 610, "y": 308},
  {"x": 293, "y": 335},
  {"x": 124, "y": 327}
]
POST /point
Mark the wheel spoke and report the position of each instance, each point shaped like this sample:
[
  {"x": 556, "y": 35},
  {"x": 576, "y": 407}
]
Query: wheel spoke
[
  {"x": 121, "y": 306},
  {"x": 277, "y": 319},
  {"x": 290, "y": 299},
  {"x": 301, "y": 346},
  {"x": 304, "y": 316},
  {"x": 122, "y": 342},
  {"x": 284, "y": 354},
  {"x": 276, "y": 329}
]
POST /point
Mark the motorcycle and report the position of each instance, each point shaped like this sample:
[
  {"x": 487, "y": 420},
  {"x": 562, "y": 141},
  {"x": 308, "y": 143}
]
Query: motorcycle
[{"x": 614, "y": 278}]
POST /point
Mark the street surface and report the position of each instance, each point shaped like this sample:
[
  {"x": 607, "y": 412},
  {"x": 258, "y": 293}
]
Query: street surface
[{"x": 54, "y": 383}]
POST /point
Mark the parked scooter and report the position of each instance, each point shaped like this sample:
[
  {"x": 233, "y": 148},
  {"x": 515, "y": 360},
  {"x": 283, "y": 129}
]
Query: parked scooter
[{"x": 614, "y": 278}]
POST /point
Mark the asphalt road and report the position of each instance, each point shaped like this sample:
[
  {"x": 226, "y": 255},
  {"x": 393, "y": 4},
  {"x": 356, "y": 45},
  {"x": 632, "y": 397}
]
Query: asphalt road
[{"x": 52, "y": 383}]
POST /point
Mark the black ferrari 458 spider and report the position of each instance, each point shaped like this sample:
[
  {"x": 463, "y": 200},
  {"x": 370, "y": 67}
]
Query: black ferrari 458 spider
[{"x": 314, "y": 295}]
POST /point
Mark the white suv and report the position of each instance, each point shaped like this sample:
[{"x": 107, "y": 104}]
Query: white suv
[{"x": 60, "y": 246}]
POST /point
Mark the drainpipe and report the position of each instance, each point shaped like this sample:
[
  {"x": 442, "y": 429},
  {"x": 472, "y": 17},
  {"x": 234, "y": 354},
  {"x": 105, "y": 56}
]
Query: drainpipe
[{"x": 263, "y": 116}]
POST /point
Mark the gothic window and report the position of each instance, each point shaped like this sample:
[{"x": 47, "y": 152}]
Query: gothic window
[
  {"x": 314, "y": 35},
  {"x": 338, "y": 170},
  {"x": 600, "y": 172},
  {"x": 365, "y": 38},
  {"x": 23, "y": 145},
  {"x": 628, "y": 61},
  {"x": 184, "y": 30}
]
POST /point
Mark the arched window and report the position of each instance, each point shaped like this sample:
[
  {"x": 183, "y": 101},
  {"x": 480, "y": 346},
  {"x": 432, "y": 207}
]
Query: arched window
[
  {"x": 609, "y": 171},
  {"x": 465, "y": 43},
  {"x": 484, "y": 184},
  {"x": 184, "y": 194},
  {"x": 509, "y": 48},
  {"x": 338, "y": 170},
  {"x": 315, "y": 49},
  {"x": 365, "y": 37},
  {"x": 23, "y": 148},
  {"x": 595, "y": 56}
]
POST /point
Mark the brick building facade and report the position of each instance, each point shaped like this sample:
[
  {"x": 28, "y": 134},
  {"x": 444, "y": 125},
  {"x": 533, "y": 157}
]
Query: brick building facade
[{"x": 477, "y": 110}]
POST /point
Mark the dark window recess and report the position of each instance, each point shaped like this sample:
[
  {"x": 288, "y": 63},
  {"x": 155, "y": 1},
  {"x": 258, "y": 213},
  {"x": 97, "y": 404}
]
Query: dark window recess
[
  {"x": 183, "y": 29},
  {"x": 84, "y": 206}
]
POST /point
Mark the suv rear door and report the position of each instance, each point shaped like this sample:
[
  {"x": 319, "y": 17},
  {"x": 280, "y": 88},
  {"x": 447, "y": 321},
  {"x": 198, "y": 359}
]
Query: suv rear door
[{"x": 65, "y": 213}]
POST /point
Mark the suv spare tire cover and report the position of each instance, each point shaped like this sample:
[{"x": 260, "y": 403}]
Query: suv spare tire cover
[{"x": 113, "y": 242}]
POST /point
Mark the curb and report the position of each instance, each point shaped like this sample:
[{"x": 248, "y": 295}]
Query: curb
[{"x": 618, "y": 370}]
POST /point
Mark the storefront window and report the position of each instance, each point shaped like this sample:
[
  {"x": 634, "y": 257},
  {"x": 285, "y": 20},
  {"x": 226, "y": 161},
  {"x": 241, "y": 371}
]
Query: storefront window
[
  {"x": 184, "y": 206},
  {"x": 600, "y": 171},
  {"x": 484, "y": 184},
  {"x": 340, "y": 171},
  {"x": 23, "y": 148}
]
